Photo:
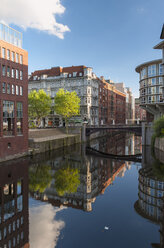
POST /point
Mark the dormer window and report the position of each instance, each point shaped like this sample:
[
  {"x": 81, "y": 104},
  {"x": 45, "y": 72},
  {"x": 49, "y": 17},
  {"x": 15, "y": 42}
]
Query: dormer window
[{"x": 44, "y": 76}]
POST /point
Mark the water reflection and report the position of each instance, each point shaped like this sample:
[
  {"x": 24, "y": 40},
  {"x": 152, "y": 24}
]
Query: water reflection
[
  {"x": 75, "y": 180},
  {"x": 67, "y": 178},
  {"x": 150, "y": 204},
  {"x": 14, "y": 227},
  {"x": 44, "y": 228}
]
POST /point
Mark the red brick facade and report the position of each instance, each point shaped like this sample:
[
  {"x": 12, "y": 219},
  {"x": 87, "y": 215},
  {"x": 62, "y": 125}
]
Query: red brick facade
[
  {"x": 112, "y": 104},
  {"x": 140, "y": 113},
  {"x": 14, "y": 225},
  {"x": 13, "y": 89}
]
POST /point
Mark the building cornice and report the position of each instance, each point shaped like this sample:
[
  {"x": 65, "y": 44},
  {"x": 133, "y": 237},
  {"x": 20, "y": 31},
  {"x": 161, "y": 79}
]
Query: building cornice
[{"x": 139, "y": 67}]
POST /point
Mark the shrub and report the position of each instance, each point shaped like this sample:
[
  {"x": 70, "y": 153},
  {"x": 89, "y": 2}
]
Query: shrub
[{"x": 159, "y": 127}]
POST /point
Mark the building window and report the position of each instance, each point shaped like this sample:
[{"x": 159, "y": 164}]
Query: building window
[
  {"x": 13, "y": 56},
  {"x": 21, "y": 59},
  {"x": 17, "y": 74},
  {"x": 8, "y": 118},
  {"x": 3, "y": 52},
  {"x": 13, "y": 73},
  {"x": 3, "y": 70},
  {"x": 74, "y": 74},
  {"x": 80, "y": 74},
  {"x": 13, "y": 89},
  {"x": 143, "y": 73},
  {"x": 8, "y": 89},
  {"x": 3, "y": 87},
  {"x": 21, "y": 91},
  {"x": 151, "y": 70},
  {"x": 21, "y": 75},
  {"x": 19, "y": 117},
  {"x": 17, "y": 58},
  {"x": 17, "y": 90},
  {"x": 161, "y": 69},
  {"x": 8, "y": 71},
  {"x": 8, "y": 54},
  {"x": 161, "y": 81}
]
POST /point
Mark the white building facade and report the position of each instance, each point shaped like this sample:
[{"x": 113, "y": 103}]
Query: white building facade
[{"x": 76, "y": 78}]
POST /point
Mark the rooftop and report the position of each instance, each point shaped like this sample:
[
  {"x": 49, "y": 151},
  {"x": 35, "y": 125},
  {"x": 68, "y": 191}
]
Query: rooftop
[
  {"x": 139, "y": 67},
  {"x": 57, "y": 71}
]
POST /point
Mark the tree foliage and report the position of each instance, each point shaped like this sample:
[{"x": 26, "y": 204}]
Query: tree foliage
[
  {"x": 66, "y": 180},
  {"x": 67, "y": 104},
  {"x": 158, "y": 170},
  {"x": 39, "y": 104},
  {"x": 39, "y": 177},
  {"x": 159, "y": 127}
]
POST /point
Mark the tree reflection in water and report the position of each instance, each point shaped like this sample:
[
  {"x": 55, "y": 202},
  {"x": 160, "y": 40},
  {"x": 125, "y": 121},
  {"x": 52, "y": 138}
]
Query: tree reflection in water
[
  {"x": 39, "y": 177},
  {"x": 67, "y": 180}
]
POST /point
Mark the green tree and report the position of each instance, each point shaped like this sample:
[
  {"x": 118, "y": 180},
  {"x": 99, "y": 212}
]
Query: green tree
[
  {"x": 158, "y": 170},
  {"x": 67, "y": 104},
  {"x": 66, "y": 180},
  {"x": 39, "y": 105},
  {"x": 159, "y": 127},
  {"x": 39, "y": 177}
]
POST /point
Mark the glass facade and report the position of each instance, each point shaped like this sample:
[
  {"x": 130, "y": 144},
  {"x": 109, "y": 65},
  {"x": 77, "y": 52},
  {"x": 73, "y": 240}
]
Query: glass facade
[
  {"x": 10, "y": 35},
  {"x": 151, "y": 192},
  {"x": 151, "y": 82}
]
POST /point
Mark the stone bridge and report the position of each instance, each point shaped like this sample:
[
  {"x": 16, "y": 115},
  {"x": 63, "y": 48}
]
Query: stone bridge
[{"x": 129, "y": 128}]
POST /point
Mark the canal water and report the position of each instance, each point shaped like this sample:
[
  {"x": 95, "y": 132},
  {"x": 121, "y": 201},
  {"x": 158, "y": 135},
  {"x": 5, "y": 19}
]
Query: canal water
[{"x": 73, "y": 198}]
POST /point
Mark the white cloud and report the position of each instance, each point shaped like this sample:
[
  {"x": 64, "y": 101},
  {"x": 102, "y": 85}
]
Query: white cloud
[
  {"x": 44, "y": 229},
  {"x": 38, "y": 14}
]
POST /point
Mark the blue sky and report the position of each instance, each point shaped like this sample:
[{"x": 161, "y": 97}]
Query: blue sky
[{"x": 112, "y": 36}]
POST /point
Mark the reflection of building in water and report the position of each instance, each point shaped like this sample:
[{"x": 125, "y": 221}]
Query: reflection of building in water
[
  {"x": 150, "y": 192},
  {"x": 150, "y": 203},
  {"x": 95, "y": 175},
  {"x": 14, "y": 205}
]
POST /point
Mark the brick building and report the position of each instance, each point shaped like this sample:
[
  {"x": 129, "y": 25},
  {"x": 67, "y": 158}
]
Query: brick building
[
  {"x": 14, "y": 218},
  {"x": 111, "y": 104},
  {"x": 140, "y": 114},
  {"x": 13, "y": 93},
  {"x": 130, "y": 102}
]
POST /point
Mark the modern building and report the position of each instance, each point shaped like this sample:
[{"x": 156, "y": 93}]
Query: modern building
[
  {"x": 13, "y": 93},
  {"x": 76, "y": 78},
  {"x": 130, "y": 102},
  {"x": 140, "y": 113},
  {"x": 152, "y": 85},
  {"x": 161, "y": 47}
]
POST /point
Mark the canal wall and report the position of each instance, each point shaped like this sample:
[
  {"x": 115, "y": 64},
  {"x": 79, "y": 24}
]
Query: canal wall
[
  {"x": 50, "y": 139},
  {"x": 147, "y": 133},
  {"x": 159, "y": 144}
]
